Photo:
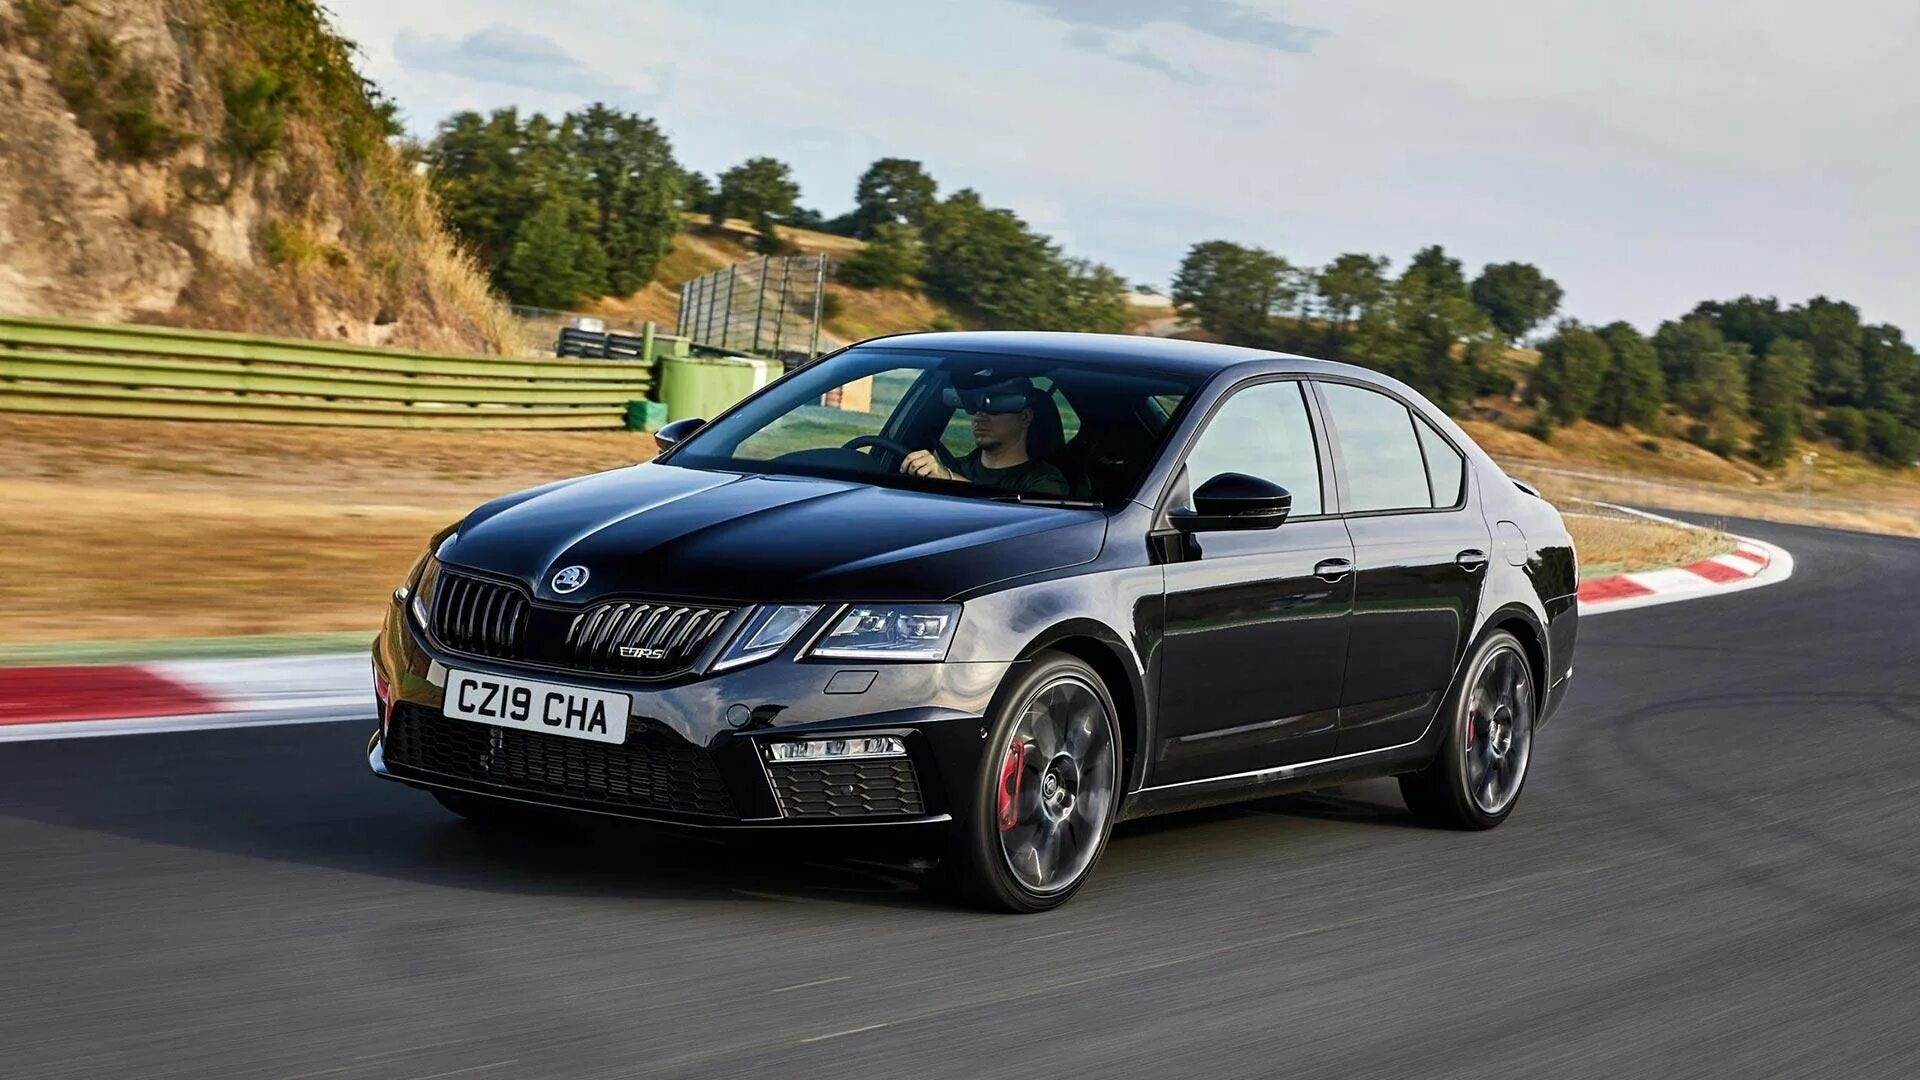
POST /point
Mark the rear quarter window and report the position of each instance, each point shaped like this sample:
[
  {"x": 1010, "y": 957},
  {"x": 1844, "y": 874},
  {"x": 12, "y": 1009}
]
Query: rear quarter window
[{"x": 1381, "y": 449}]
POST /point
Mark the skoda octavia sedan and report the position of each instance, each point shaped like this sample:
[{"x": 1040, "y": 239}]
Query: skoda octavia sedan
[{"x": 997, "y": 592}]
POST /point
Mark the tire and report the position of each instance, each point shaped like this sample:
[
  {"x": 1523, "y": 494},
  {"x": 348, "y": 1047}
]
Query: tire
[
  {"x": 491, "y": 813},
  {"x": 1474, "y": 781},
  {"x": 1063, "y": 788}
]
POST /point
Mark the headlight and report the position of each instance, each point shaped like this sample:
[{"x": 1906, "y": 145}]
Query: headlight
[
  {"x": 422, "y": 601},
  {"x": 767, "y": 631},
  {"x": 890, "y": 632}
]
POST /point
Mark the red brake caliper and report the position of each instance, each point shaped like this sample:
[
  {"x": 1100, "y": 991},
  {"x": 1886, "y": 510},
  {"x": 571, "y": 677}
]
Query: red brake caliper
[{"x": 1010, "y": 771}]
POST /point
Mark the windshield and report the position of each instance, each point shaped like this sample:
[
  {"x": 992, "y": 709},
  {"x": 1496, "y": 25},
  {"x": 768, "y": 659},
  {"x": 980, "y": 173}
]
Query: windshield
[{"x": 969, "y": 423}]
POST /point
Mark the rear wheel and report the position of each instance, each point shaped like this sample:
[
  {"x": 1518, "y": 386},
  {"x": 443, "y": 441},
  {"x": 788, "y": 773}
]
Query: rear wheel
[
  {"x": 1475, "y": 780},
  {"x": 1045, "y": 799}
]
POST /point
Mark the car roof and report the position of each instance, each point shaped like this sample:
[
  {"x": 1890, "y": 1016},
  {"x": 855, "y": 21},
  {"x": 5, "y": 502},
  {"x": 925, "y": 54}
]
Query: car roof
[{"x": 1120, "y": 351}]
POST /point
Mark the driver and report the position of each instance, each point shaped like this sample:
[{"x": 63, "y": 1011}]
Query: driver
[{"x": 1001, "y": 413}]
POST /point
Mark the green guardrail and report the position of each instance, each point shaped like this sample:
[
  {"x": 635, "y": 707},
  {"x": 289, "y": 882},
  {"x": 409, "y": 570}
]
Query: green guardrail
[{"x": 65, "y": 367}]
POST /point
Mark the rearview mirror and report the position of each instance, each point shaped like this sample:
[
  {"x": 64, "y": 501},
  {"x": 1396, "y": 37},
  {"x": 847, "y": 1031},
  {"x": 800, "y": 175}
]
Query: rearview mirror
[
  {"x": 676, "y": 433},
  {"x": 1234, "y": 501}
]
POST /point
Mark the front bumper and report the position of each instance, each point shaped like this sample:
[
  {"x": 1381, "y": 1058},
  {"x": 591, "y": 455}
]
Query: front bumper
[{"x": 694, "y": 755}]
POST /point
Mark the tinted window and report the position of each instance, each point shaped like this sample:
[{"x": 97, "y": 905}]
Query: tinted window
[
  {"x": 1446, "y": 469},
  {"x": 1262, "y": 431},
  {"x": 1377, "y": 441}
]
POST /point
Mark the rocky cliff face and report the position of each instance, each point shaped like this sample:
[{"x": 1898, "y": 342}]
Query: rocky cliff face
[{"x": 217, "y": 163}]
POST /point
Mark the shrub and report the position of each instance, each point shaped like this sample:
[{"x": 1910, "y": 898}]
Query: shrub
[
  {"x": 1847, "y": 426},
  {"x": 893, "y": 260},
  {"x": 256, "y": 101}
]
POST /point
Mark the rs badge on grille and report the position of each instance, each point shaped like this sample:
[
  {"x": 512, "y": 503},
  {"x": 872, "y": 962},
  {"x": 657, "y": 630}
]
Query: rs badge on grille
[{"x": 633, "y": 652}]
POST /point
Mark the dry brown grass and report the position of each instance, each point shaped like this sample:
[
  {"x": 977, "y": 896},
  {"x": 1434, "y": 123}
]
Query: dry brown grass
[
  {"x": 1613, "y": 545},
  {"x": 131, "y": 529}
]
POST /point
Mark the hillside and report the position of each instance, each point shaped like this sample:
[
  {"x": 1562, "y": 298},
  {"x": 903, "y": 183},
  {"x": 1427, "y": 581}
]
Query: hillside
[
  {"x": 218, "y": 164},
  {"x": 851, "y": 314}
]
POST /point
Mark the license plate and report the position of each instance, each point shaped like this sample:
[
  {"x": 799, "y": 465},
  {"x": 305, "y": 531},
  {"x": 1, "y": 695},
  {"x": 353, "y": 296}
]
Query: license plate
[{"x": 550, "y": 708}]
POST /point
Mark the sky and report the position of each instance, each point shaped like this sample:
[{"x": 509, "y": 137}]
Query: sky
[{"x": 1646, "y": 154}]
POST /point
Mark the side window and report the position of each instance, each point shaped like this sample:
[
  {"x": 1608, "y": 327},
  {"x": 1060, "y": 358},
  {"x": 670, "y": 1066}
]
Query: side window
[
  {"x": 1385, "y": 470},
  {"x": 1446, "y": 469},
  {"x": 1262, "y": 431}
]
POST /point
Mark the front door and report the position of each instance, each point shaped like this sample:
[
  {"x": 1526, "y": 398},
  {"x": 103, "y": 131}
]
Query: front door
[
  {"x": 1420, "y": 554},
  {"x": 1256, "y": 621}
]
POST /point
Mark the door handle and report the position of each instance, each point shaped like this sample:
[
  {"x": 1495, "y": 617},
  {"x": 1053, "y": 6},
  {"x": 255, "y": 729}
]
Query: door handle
[
  {"x": 1471, "y": 559},
  {"x": 1332, "y": 570}
]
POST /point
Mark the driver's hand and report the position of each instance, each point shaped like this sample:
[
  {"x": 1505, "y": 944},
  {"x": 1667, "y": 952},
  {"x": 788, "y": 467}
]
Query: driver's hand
[{"x": 923, "y": 463}]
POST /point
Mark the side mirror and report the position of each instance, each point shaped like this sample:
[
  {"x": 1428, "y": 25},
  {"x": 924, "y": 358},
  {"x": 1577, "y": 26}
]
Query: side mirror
[
  {"x": 1234, "y": 501},
  {"x": 676, "y": 433}
]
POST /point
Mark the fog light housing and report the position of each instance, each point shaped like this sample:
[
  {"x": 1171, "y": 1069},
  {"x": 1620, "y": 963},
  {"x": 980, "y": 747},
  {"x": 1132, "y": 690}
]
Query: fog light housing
[{"x": 838, "y": 748}]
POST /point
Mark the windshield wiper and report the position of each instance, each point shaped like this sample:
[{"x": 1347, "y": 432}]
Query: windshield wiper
[{"x": 1037, "y": 498}]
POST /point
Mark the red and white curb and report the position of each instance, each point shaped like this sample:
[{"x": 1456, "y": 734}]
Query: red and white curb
[
  {"x": 190, "y": 695},
  {"x": 1751, "y": 565},
  {"x": 182, "y": 695}
]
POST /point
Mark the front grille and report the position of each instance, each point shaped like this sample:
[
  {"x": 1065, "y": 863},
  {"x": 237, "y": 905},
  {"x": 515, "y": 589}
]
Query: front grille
[
  {"x": 655, "y": 769},
  {"x": 477, "y": 616},
  {"x": 867, "y": 787},
  {"x": 639, "y": 638}
]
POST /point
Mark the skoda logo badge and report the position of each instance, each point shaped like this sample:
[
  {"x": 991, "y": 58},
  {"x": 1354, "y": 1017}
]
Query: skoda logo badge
[{"x": 569, "y": 579}]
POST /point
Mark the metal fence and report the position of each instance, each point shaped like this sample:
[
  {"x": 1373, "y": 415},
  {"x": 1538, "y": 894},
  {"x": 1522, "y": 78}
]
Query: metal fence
[
  {"x": 768, "y": 306},
  {"x": 64, "y": 367}
]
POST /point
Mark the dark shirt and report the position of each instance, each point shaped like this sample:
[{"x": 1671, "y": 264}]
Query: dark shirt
[{"x": 1029, "y": 475}]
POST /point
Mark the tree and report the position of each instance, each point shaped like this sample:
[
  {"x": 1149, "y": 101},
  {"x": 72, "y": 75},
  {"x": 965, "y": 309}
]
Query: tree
[
  {"x": 1893, "y": 441},
  {"x": 892, "y": 259},
  {"x": 762, "y": 191},
  {"x": 1891, "y": 371},
  {"x": 1779, "y": 385},
  {"x": 1574, "y": 364},
  {"x": 1634, "y": 389},
  {"x": 1751, "y": 319},
  {"x": 696, "y": 193},
  {"x": 1233, "y": 291},
  {"x": 892, "y": 191},
  {"x": 553, "y": 262},
  {"x": 1091, "y": 298},
  {"x": 1516, "y": 297},
  {"x": 1847, "y": 426},
  {"x": 1833, "y": 331},
  {"x": 1436, "y": 316},
  {"x": 635, "y": 187},
  {"x": 1350, "y": 286},
  {"x": 1685, "y": 349}
]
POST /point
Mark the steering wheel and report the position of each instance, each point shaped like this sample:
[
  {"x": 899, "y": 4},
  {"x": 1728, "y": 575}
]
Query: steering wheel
[{"x": 861, "y": 442}]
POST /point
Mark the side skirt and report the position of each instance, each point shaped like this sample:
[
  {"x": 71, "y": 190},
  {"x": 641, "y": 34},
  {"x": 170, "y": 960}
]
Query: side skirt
[{"x": 1281, "y": 780}]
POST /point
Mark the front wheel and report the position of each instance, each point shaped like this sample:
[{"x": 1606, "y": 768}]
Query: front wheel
[
  {"x": 1044, "y": 802},
  {"x": 1475, "y": 779}
]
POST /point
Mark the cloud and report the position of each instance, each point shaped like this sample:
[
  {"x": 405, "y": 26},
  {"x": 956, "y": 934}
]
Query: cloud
[
  {"x": 503, "y": 55},
  {"x": 1101, "y": 43},
  {"x": 1225, "y": 20}
]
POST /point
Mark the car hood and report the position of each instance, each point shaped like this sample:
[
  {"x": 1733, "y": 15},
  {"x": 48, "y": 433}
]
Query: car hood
[{"x": 661, "y": 530}]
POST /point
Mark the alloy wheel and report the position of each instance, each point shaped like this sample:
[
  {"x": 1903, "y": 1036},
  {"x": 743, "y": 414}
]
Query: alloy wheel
[
  {"x": 1499, "y": 730},
  {"x": 1056, "y": 783}
]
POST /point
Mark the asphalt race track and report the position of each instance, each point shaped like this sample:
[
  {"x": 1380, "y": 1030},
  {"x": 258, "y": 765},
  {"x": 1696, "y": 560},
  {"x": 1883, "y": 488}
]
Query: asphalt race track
[{"x": 1714, "y": 871}]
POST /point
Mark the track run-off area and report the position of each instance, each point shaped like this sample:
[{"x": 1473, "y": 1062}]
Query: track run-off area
[{"x": 1714, "y": 871}]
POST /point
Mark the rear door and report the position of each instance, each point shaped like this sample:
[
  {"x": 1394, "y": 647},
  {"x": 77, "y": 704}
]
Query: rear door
[
  {"x": 1420, "y": 554},
  {"x": 1256, "y": 621}
]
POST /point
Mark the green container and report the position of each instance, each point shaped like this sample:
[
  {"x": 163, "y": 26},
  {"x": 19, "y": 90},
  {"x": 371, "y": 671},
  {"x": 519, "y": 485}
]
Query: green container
[
  {"x": 645, "y": 415},
  {"x": 705, "y": 386}
]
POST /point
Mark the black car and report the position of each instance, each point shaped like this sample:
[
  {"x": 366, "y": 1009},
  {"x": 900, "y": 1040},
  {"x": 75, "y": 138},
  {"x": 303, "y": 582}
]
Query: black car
[{"x": 996, "y": 591}]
